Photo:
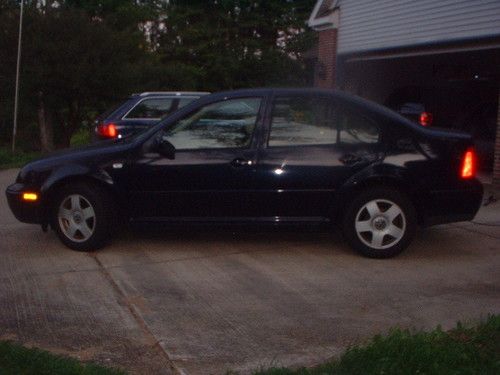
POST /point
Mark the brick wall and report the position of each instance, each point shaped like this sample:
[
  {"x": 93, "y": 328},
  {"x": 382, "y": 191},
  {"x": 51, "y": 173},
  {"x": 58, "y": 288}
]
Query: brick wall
[
  {"x": 327, "y": 55},
  {"x": 496, "y": 163}
]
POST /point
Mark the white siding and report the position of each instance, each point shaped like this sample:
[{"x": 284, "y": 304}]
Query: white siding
[{"x": 367, "y": 25}]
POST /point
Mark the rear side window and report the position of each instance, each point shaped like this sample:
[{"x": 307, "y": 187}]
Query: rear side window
[
  {"x": 302, "y": 120},
  {"x": 355, "y": 128},
  {"x": 154, "y": 108},
  {"x": 318, "y": 120}
]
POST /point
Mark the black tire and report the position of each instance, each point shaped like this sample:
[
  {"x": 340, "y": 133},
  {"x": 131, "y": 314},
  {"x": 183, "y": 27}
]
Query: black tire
[
  {"x": 380, "y": 225},
  {"x": 97, "y": 231}
]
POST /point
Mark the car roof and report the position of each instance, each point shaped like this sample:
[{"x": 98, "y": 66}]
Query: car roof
[
  {"x": 307, "y": 90},
  {"x": 342, "y": 95},
  {"x": 170, "y": 93}
]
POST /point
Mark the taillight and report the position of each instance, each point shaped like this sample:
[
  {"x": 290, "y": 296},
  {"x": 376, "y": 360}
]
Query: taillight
[
  {"x": 107, "y": 130},
  {"x": 469, "y": 164},
  {"x": 425, "y": 118}
]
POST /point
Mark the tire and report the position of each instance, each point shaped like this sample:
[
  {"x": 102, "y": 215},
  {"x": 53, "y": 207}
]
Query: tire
[
  {"x": 380, "y": 222},
  {"x": 81, "y": 216}
]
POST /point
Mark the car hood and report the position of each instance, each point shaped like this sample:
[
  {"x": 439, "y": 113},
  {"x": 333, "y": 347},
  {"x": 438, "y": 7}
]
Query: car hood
[{"x": 86, "y": 155}]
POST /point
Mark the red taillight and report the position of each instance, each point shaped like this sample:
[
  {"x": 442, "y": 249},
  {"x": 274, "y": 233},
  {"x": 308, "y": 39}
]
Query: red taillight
[
  {"x": 469, "y": 162},
  {"x": 107, "y": 130},
  {"x": 425, "y": 118}
]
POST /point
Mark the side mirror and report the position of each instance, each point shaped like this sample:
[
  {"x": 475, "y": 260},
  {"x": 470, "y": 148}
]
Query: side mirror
[{"x": 165, "y": 148}]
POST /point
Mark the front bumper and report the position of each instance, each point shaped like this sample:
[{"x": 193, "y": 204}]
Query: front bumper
[{"x": 25, "y": 211}]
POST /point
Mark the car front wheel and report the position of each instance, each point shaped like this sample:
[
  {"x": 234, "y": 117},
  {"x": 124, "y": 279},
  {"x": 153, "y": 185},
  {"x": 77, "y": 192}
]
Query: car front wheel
[
  {"x": 379, "y": 222},
  {"x": 81, "y": 216}
]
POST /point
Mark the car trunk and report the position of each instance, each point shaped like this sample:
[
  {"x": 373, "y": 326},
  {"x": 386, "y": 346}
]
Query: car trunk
[{"x": 448, "y": 149}]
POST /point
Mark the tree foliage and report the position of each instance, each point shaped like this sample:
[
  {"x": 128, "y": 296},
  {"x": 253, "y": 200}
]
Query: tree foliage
[
  {"x": 79, "y": 56},
  {"x": 232, "y": 44}
]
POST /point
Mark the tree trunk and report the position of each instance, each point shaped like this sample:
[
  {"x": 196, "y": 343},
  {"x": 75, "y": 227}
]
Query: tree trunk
[
  {"x": 66, "y": 137},
  {"x": 45, "y": 125},
  {"x": 73, "y": 123}
]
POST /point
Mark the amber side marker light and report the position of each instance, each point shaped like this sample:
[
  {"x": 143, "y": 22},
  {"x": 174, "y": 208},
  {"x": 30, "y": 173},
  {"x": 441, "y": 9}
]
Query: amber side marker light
[
  {"x": 469, "y": 162},
  {"x": 31, "y": 197}
]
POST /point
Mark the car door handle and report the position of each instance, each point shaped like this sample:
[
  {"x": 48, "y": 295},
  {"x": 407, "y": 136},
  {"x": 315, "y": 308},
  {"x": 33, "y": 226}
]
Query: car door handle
[
  {"x": 240, "y": 162},
  {"x": 350, "y": 159}
]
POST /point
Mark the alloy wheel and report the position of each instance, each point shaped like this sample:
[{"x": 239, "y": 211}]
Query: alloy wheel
[
  {"x": 76, "y": 218},
  {"x": 380, "y": 224}
]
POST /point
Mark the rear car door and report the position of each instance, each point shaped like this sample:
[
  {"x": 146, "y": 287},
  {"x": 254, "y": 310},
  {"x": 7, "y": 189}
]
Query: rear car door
[
  {"x": 213, "y": 168},
  {"x": 314, "y": 144}
]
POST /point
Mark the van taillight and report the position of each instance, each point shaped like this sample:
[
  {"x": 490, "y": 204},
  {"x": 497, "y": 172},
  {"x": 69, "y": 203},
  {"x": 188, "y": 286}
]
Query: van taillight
[
  {"x": 425, "y": 118},
  {"x": 107, "y": 130},
  {"x": 469, "y": 164}
]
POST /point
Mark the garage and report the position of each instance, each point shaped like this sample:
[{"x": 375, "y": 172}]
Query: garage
[
  {"x": 453, "y": 88},
  {"x": 435, "y": 60}
]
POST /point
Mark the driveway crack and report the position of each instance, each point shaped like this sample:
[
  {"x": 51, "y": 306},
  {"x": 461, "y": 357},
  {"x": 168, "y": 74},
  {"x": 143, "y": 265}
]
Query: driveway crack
[{"x": 136, "y": 316}]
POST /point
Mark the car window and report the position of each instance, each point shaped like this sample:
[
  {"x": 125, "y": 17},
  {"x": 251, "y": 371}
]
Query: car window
[
  {"x": 109, "y": 111},
  {"x": 355, "y": 128},
  {"x": 154, "y": 108},
  {"x": 185, "y": 101},
  {"x": 225, "y": 124},
  {"x": 302, "y": 120}
]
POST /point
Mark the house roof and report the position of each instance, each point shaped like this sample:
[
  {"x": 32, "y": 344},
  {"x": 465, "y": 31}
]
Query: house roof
[{"x": 324, "y": 15}]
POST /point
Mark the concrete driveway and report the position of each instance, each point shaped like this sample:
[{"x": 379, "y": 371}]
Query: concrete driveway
[{"x": 204, "y": 302}]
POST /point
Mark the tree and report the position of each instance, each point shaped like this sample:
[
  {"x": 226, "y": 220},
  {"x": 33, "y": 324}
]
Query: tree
[
  {"x": 72, "y": 63},
  {"x": 79, "y": 56},
  {"x": 236, "y": 43}
]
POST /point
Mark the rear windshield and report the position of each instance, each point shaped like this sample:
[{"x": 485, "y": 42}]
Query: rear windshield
[
  {"x": 185, "y": 101},
  {"x": 109, "y": 111},
  {"x": 152, "y": 108}
]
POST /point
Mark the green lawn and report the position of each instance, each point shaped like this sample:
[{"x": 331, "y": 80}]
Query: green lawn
[
  {"x": 82, "y": 137},
  {"x": 18, "y": 360},
  {"x": 9, "y": 160},
  {"x": 463, "y": 350}
]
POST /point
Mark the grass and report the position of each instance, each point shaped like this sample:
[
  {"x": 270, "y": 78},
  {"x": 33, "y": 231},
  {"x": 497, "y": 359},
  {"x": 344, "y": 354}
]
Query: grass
[
  {"x": 18, "y": 360},
  {"x": 463, "y": 350},
  {"x": 81, "y": 137},
  {"x": 19, "y": 158},
  {"x": 16, "y": 160},
  {"x": 460, "y": 351}
]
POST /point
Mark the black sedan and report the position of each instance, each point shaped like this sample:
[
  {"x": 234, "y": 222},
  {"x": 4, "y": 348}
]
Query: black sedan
[{"x": 261, "y": 156}]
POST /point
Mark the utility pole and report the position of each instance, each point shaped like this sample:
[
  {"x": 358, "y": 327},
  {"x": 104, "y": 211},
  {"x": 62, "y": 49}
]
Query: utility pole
[{"x": 16, "y": 98}]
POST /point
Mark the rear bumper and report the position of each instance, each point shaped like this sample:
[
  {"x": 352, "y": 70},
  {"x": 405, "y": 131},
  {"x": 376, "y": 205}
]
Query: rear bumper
[
  {"x": 26, "y": 212},
  {"x": 452, "y": 205}
]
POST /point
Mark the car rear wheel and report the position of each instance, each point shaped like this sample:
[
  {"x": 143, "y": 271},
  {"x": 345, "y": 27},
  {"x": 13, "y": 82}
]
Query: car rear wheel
[
  {"x": 81, "y": 216},
  {"x": 379, "y": 223}
]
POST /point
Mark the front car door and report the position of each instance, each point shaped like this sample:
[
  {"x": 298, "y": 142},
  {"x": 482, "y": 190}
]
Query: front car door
[{"x": 213, "y": 168}]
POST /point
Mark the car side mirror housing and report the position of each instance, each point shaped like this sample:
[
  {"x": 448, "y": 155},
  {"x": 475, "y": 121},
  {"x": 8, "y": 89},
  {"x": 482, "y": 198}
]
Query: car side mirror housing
[{"x": 165, "y": 148}]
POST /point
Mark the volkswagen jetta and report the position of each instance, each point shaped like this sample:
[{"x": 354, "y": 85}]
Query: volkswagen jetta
[{"x": 266, "y": 156}]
